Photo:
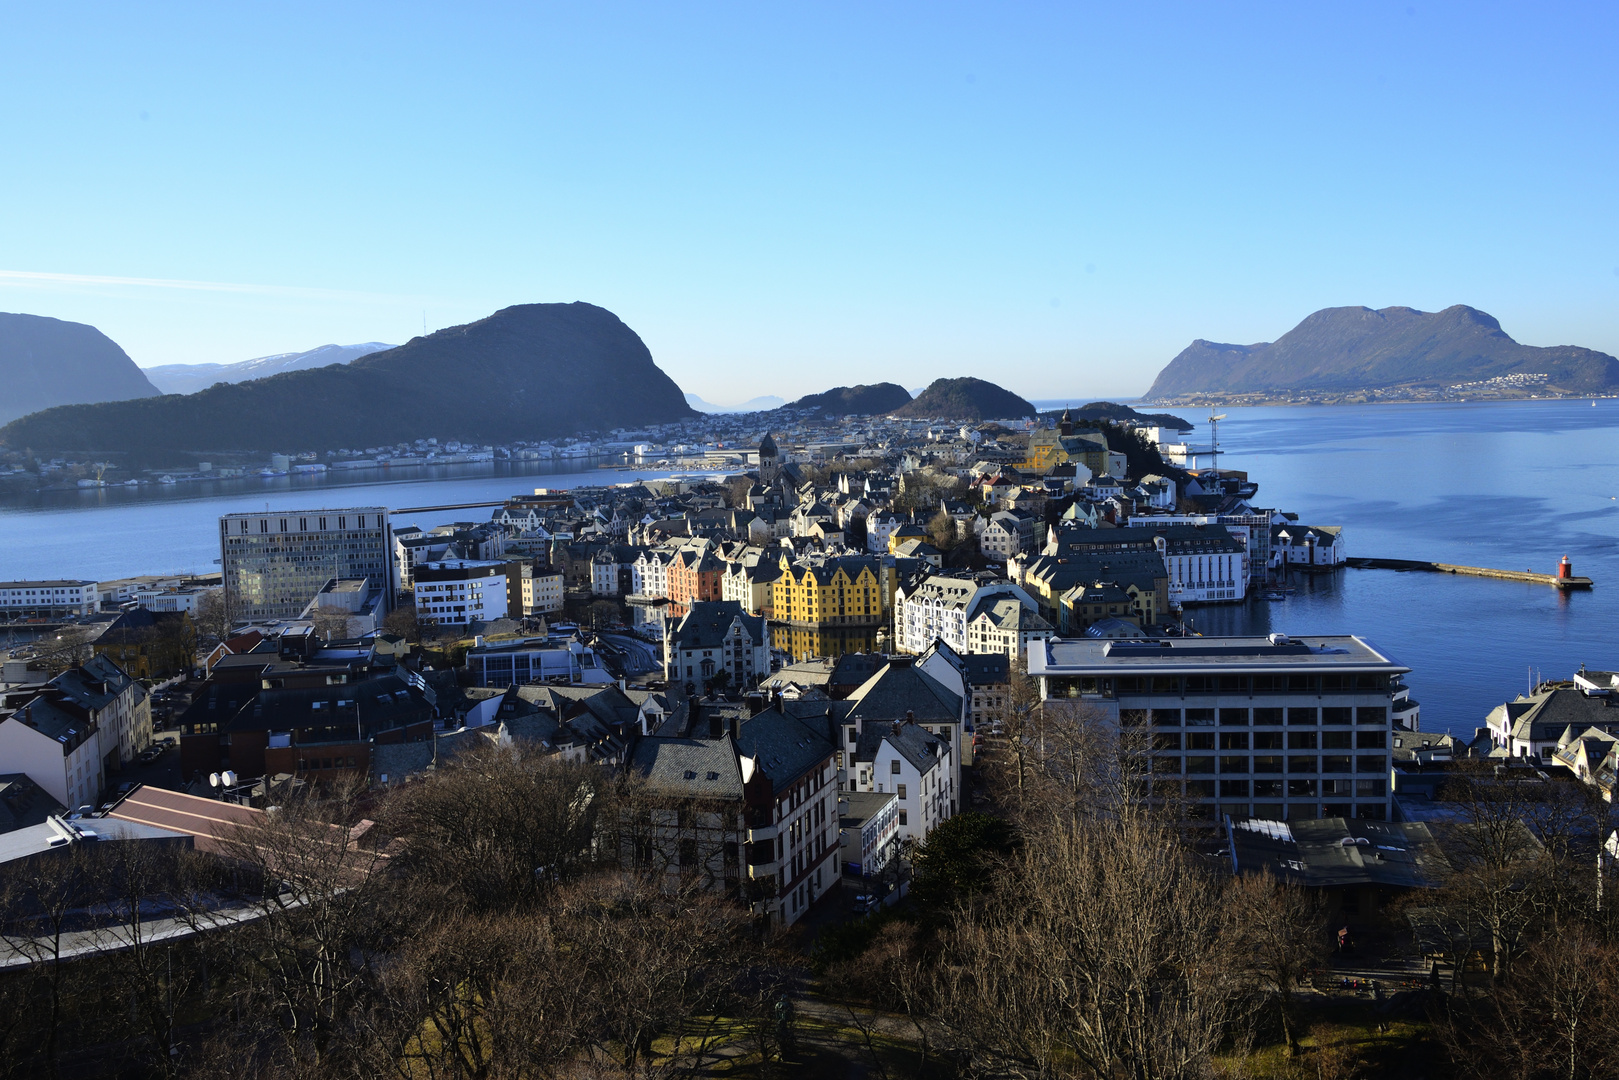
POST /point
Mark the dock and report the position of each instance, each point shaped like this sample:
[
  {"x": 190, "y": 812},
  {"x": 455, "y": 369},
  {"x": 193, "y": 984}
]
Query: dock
[{"x": 1553, "y": 580}]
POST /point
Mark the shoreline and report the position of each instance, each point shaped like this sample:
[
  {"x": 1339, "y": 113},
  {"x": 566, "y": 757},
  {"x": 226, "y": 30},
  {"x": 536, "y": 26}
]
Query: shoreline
[{"x": 1243, "y": 401}]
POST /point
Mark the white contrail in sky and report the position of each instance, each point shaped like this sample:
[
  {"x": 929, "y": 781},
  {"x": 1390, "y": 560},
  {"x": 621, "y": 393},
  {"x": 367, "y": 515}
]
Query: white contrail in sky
[{"x": 41, "y": 277}]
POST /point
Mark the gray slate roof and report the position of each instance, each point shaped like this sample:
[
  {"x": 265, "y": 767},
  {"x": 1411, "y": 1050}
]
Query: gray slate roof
[{"x": 694, "y": 768}]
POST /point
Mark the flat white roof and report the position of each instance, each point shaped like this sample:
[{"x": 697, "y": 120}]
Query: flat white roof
[{"x": 1193, "y": 655}]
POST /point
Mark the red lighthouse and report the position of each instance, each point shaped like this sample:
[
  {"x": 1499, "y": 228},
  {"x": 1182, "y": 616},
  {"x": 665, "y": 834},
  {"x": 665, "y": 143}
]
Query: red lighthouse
[{"x": 1565, "y": 569}]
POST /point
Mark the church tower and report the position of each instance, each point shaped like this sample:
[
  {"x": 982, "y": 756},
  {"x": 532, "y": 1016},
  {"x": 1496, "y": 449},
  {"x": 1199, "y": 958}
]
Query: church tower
[{"x": 769, "y": 460}]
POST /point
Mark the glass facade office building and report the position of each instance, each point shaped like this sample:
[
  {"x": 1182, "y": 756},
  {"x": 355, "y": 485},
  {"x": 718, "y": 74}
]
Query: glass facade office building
[
  {"x": 1279, "y": 728},
  {"x": 274, "y": 564}
]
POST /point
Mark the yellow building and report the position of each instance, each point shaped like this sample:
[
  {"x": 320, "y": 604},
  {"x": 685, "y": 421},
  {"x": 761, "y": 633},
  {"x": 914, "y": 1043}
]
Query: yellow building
[
  {"x": 1050, "y": 447},
  {"x": 826, "y": 606}
]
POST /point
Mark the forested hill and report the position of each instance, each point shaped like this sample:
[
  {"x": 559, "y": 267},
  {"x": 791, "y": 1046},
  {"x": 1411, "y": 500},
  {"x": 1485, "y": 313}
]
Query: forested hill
[
  {"x": 46, "y": 362},
  {"x": 966, "y": 399},
  {"x": 1356, "y": 348},
  {"x": 530, "y": 371},
  {"x": 863, "y": 400}
]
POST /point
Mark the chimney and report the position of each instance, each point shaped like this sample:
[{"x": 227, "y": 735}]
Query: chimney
[
  {"x": 910, "y": 718},
  {"x": 736, "y": 727}
]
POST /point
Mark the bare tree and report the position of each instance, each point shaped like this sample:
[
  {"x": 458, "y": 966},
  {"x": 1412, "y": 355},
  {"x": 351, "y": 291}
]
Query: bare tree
[
  {"x": 1280, "y": 936},
  {"x": 1553, "y": 1019},
  {"x": 1109, "y": 957},
  {"x": 1498, "y": 869},
  {"x": 307, "y": 964},
  {"x": 503, "y": 826},
  {"x": 211, "y": 618},
  {"x": 402, "y": 621}
]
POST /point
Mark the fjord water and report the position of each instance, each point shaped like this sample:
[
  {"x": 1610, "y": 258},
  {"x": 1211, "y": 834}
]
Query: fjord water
[
  {"x": 105, "y": 533},
  {"x": 1510, "y": 485},
  {"x": 1507, "y": 485}
]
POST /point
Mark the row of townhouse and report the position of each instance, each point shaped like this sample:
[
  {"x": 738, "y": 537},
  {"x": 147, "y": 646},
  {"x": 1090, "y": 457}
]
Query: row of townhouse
[{"x": 972, "y": 613}]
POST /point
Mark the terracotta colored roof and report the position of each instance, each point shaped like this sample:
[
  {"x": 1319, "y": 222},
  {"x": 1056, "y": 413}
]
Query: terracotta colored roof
[{"x": 205, "y": 819}]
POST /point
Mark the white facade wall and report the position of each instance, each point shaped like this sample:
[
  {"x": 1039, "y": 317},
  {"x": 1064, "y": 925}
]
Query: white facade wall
[
  {"x": 79, "y": 597},
  {"x": 460, "y": 600},
  {"x": 542, "y": 594},
  {"x": 1207, "y": 578},
  {"x": 807, "y": 843},
  {"x": 74, "y": 779},
  {"x": 925, "y": 798}
]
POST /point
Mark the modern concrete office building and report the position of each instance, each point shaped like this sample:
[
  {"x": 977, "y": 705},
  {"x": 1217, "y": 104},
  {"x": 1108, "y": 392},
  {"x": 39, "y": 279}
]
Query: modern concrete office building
[
  {"x": 275, "y": 563},
  {"x": 1272, "y": 727}
]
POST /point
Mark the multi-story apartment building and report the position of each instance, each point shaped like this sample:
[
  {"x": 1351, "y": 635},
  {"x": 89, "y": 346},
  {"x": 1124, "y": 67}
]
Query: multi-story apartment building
[
  {"x": 46, "y": 599},
  {"x": 274, "y": 564},
  {"x": 1250, "y": 527},
  {"x": 717, "y": 641},
  {"x": 827, "y": 605},
  {"x": 454, "y": 593},
  {"x": 969, "y": 613},
  {"x": 749, "y": 807},
  {"x": 68, "y": 734},
  {"x": 695, "y": 574},
  {"x": 533, "y": 587},
  {"x": 1007, "y": 533},
  {"x": 650, "y": 574},
  {"x": 1276, "y": 727}
]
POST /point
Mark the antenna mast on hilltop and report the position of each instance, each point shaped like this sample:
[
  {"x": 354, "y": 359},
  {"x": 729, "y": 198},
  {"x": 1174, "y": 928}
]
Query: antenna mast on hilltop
[{"x": 1214, "y": 441}]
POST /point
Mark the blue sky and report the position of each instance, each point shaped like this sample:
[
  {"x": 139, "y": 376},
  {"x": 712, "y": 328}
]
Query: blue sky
[{"x": 781, "y": 198}]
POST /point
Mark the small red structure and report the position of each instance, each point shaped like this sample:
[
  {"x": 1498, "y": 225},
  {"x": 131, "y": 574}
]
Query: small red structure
[{"x": 1565, "y": 569}]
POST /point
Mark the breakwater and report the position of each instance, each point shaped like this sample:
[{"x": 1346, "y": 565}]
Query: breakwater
[{"x": 1471, "y": 571}]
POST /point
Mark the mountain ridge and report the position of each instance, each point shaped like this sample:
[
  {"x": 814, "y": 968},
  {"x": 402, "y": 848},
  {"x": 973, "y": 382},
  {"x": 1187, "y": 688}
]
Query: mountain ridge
[
  {"x": 528, "y": 371},
  {"x": 189, "y": 378},
  {"x": 46, "y": 362},
  {"x": 1359, "y": 348}
]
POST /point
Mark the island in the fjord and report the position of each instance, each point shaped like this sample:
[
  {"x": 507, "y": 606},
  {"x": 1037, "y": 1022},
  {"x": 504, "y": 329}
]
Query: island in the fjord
[
  {"x": 529, "y": 371},
  {"x": 46, "y": 362},
  {"x": 1396, "y": 353},
  {"x": 873, "y": 400},
  {"x": 966, "y": 399}
]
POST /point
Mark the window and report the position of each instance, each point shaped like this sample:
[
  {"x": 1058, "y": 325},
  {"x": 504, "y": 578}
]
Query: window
[
  {"x": 1372, "y": 714},
  {"x": 1337, "y": 716},
  {"x": 903, "y": 818},
  {"x": 893, "y": 766},
  {"x": 1200, "y": 740},
  {"x": 1233, "y": 717},
  {"x": 1234, "y": 764},
  {"x": 1166, "y": 717},
  {"x": 1371, "y": 740},
  {"x": 1301, "y": 740},
  {"x": 1301, "y": 716},
  {"x": 1199, "y": 717},
  {"x": 1335, "y": 740},
  {"x": 902, "y": 792},
  {"x": 1233, "y": 740},
  {"x": 1301, "y": 765},
  {"x": 1267, "y": 716}
]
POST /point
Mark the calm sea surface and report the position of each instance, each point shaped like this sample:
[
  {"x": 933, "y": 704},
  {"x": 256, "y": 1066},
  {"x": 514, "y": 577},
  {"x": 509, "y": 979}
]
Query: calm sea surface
[
  {"x": 1512, "y": 485},
  {"x": 104, "y": 533}
]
